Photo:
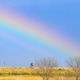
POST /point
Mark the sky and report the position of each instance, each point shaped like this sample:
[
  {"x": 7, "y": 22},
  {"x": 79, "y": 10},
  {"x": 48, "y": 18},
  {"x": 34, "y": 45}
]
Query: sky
[{"x": 33, "y": 29}]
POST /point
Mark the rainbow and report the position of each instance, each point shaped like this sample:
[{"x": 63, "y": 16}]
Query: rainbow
[{"x": 28, "y": 27}]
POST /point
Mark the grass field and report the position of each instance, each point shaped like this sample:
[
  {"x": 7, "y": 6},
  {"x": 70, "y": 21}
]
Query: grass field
[
  {"x": 20, "y": 78},
  {"x": 32, "y": 78},
  {"x": 26, "y": 74}
]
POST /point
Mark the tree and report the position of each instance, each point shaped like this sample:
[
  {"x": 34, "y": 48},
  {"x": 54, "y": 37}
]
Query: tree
[
  {"x": 31, "y": 65},
  {"x": 45, "y": 67},
  {"x": 74, "y": 63}
]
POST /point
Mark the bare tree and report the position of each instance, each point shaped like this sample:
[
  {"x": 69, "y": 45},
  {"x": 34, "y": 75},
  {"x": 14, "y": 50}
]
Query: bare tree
[
  {"x": 74, "y": 63},
  {"x": 45, "y": 67}
]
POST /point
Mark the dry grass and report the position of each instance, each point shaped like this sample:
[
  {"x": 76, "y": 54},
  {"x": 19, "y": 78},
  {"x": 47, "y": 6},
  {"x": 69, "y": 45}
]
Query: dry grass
[
  {"x": 28, "y": 76},
  {"x": 20, "y": 78},
  {"x": 32, "y": 78}
]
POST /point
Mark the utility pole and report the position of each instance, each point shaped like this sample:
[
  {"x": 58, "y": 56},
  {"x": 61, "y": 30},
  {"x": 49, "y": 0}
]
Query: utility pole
[{"x": 4, "y": 63}]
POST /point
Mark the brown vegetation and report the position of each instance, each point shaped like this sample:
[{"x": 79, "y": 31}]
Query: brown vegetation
[{"x": 29, "y": 74}]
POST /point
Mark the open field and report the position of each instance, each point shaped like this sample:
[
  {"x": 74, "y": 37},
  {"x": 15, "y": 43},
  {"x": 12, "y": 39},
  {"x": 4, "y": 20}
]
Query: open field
[
  {"x": 32, "y": 78},
  {"x": 28, "y": 74},
  {"x": 20, "y": 78}
]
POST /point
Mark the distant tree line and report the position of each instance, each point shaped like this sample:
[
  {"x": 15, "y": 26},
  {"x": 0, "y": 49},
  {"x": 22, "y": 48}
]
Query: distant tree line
[{"x": 45, "y": 67}]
